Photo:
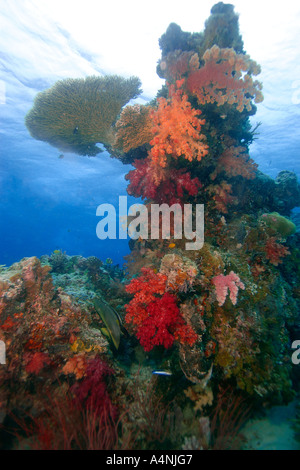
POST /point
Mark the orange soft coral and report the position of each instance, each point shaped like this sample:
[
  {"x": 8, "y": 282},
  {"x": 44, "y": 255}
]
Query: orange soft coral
[
  {"x": 176, "y": 129},
  {"x": 226, "y": 77}
]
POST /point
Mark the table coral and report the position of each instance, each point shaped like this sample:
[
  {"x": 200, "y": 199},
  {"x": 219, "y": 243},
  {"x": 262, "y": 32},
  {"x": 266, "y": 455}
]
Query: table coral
[
  {"x": 134, "y": 127},
  {"x": 76, "y": 114}
]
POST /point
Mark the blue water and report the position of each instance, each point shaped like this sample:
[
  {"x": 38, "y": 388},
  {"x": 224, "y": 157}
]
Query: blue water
[{"x": 49, "y": 203}]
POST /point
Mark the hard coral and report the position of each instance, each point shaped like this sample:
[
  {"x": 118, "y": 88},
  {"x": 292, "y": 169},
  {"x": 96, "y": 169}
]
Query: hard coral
[
  {"x": 134, "y": 127},
  {"x": 76, "y": 114}
]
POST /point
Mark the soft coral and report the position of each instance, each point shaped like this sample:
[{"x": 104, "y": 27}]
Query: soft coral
[
  {"x": 156, "y": 320},
  {"x": 172, "y": 187}
]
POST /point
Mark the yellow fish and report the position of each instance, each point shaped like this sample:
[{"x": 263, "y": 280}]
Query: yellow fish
[{"x": 172, "y": 245}]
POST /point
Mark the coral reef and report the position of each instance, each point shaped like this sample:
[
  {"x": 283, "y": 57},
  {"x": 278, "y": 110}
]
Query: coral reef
[{"x": 225, "y": 291}]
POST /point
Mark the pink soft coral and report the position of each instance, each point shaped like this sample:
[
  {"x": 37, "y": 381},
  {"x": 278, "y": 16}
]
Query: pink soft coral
[
  {"x": 226, "y": 77},
  {"x": 230, "y": 282}
]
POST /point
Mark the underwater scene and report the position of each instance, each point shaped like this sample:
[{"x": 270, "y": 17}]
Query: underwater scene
[{"x": 150, "y": 227}]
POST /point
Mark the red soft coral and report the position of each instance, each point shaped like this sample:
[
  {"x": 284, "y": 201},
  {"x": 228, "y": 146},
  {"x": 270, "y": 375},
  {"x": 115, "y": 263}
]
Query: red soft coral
[
  {"x": 235, "y": 161},
  {"x": 36, "y": 362},
  {"x": 146, "y": 287},
  {"x": 156, "y": 320},
  {"x": 92, "y": 390},
  {"x": 275, "y": 251},
  {"x": 172, "y": 187}
]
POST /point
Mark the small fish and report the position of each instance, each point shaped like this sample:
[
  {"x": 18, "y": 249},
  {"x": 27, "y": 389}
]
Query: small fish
[
  {"x": 223, "y": 116},
  {"x": 172, "y": 245},
  {"x": 162, "y": 372},
  {"x": 61, "y": 156}
]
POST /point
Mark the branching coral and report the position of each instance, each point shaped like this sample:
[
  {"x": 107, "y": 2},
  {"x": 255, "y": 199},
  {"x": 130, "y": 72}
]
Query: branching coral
[
  {"x": 75, "y": 114},
  {"x": 226, "y": 77}
]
